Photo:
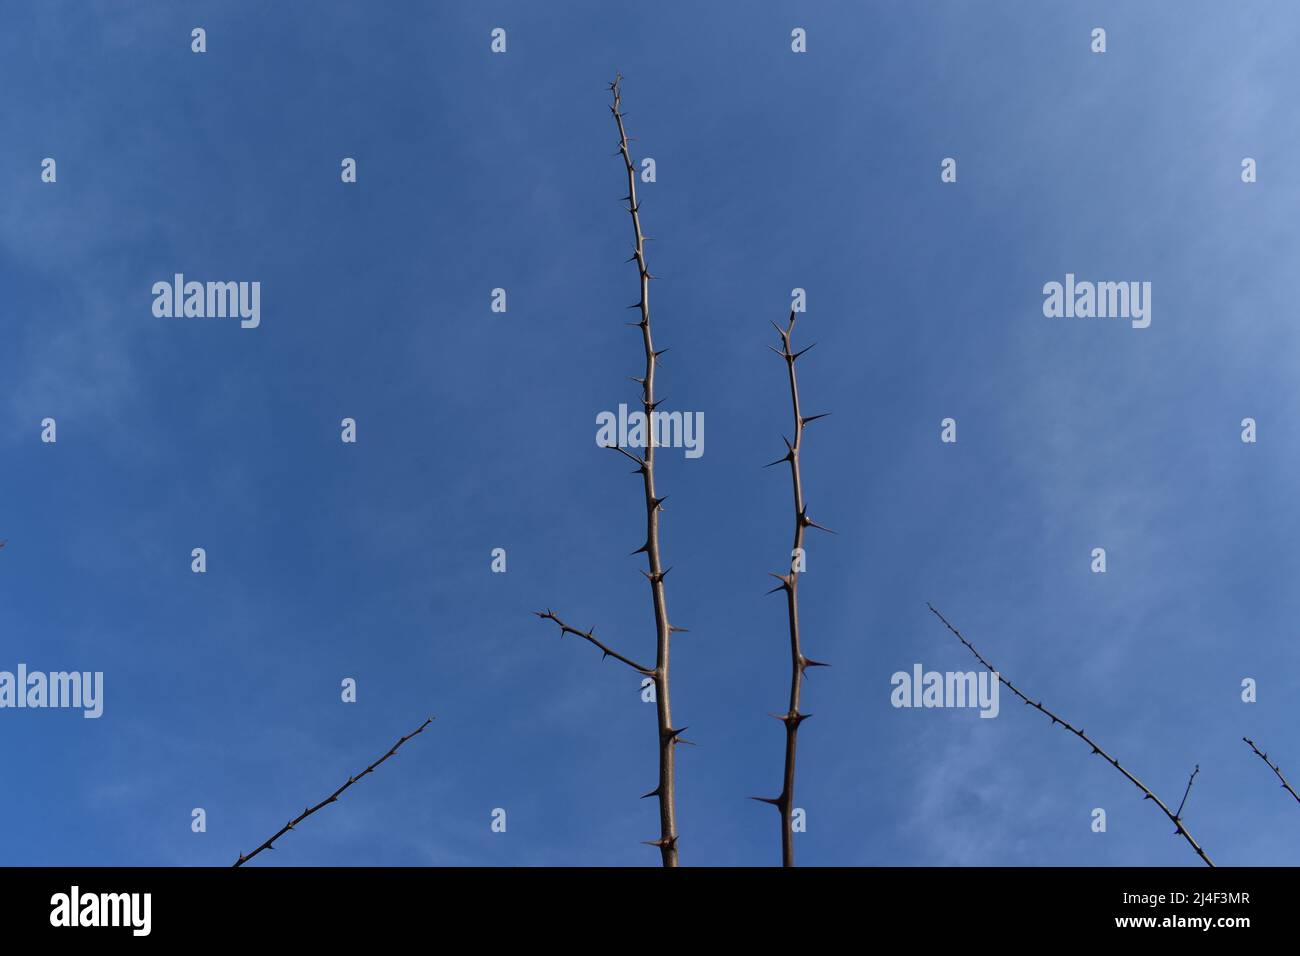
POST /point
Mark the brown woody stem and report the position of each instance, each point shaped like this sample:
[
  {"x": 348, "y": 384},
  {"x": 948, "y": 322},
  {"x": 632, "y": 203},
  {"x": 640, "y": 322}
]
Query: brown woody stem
[
  {"x": 792, "y": 718},
  {"x": 668, "y": 736}
]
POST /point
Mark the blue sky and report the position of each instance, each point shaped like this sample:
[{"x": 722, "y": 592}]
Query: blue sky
[{"x": 476, "y": 430}]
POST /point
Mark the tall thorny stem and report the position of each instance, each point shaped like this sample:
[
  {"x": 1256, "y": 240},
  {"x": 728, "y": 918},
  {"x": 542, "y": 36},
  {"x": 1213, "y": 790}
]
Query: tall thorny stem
[{"x": 668, "y": 736}]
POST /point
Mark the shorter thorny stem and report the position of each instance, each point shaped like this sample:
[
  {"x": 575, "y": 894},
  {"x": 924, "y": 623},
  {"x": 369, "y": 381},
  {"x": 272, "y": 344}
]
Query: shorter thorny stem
[{"x": 799, "y": 664}]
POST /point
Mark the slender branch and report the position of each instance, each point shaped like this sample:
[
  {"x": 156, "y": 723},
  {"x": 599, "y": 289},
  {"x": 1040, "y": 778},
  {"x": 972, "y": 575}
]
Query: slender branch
[
  {"x": 244, "y": 858},
  {"x": 1272, "y": 766},
  {"x": 1190, "y": 780},
  {"x": 669, "y": 736},
  {"x": 1174, "y": 818},
  {"x": 605, "y": 650},
  {"x": 799, "y": 664}
]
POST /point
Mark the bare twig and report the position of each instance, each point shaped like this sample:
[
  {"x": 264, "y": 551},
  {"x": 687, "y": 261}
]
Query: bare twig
[
  {"x": 244, "y": 858},
  {"x": 1174, "y": 818},
  {"x": 669, "y": 736},
  {"x": 1272, "y": 766},
  {"x": 799, "y": 664},
  {"x": 1186, "y": 792}
]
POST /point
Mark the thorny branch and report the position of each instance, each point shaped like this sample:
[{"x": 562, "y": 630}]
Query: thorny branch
[
  {"x": 669, "y": 736},
  {"x": 792, "y": 718},
  {"x": 590, "y": 635},
  {"x": 1272, "y": 766},
  {"x": 244, "y": 858},
  {"x": 1174, "y": 818}
]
